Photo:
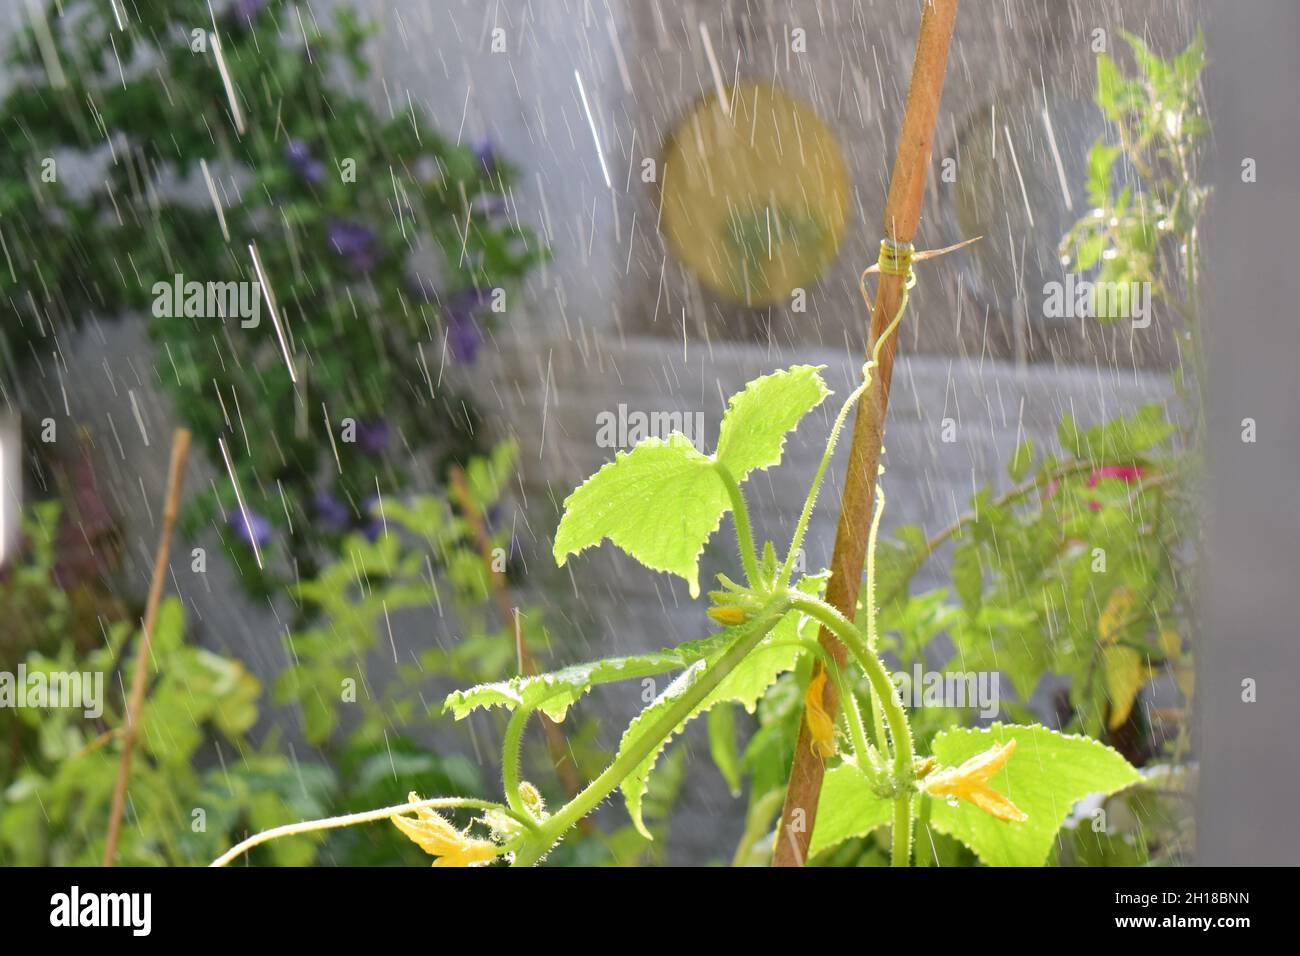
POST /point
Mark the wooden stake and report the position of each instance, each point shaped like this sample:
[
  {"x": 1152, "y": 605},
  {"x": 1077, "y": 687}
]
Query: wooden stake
[
  {"x": 175, "y": 478},
  {"x": 902, "y": 212}
]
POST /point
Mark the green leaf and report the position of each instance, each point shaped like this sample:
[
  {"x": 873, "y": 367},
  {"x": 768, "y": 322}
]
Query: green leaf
[
  {"x": 1100, "y": 160},
  {"x": 169, "y": 627},
  {"x": 1125, "y": 672},
  {"x": 848, "y": 808},
  {"x": 1125, "y": 438},
  {"x": 1021, "y": 460},
  {"x": 746, "y": 685},
  {"x": 1157, "y": 71},
  {"x": 1070, "y": 437},
  {"x": 659, "y": 502},
  {"x": 1115, "y": 94},
  {"x": 758, "y": 418},
  {"x": 555, "y": 692},
  {"x": 968, "y": 575},
  {"x": 722, "y": 746},
  {"x": 1045, "y": 777},
  {"x": 1188, "y": 64}
]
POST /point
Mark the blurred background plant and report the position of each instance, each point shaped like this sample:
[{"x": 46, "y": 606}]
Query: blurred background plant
[
  {"x": 173, "y": 149},
  {"x": 197, "y": 780},
  {"x": 387, "y": 249}
]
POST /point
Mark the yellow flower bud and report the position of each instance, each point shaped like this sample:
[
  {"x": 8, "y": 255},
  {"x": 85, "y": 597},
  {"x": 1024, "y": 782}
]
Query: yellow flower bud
[
  {"x": 820, "y": 725},
  {"x": 727, "y": 616},
  {"x": 532, "y": 799}
]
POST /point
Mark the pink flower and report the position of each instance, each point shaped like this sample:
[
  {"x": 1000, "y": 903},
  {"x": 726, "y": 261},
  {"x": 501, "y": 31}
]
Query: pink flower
[
  {"x": 1127, "y": 473},
  {"x": 1130, "y": 473}
]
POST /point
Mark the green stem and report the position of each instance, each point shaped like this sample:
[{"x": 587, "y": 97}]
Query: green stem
[
  {"x": 924, "y": 841},
  {"x": 872, "y": 537},
  {"x": 628, "y": 759},
  {"x": 867, "y": 760},
  {"x": 802, "y": 528},
  {"x": 744, "y": 536},
  {"x": 369, "y": 816},
  {"x": 510, "y": 749},
  {"x": 787, "y": 570},
  {"x": 852, "y": 638}
]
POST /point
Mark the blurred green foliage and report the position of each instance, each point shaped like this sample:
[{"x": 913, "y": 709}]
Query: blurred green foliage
[{"x": 386, "y": 246}]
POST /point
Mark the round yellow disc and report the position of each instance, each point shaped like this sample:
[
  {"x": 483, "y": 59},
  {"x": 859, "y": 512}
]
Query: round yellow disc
[{"x": 755, "y": 202}]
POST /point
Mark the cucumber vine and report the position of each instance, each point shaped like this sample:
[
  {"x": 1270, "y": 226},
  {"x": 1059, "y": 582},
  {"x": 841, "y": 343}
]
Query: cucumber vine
[{"x": 660, "y": 503}]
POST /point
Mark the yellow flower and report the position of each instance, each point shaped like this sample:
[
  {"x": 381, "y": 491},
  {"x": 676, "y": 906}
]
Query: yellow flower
[
  {"x": 728, "y": 616},
  {"x": 434, "y": 834},
  {"x": 820, "y": 724},
  {"x": 969, "y": 782}
]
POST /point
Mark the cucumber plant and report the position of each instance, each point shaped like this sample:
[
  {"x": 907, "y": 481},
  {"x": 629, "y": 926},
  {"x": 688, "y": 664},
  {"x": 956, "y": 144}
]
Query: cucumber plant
[{"x": 1002, "y": 790}]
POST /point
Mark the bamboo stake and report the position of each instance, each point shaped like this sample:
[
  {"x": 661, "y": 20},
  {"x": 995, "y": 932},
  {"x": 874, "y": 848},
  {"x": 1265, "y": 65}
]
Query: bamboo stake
[
  {"x": 555, "y": 742},
  {"x": 902, "y": 212},
  {"x": 175, "y": 478}
]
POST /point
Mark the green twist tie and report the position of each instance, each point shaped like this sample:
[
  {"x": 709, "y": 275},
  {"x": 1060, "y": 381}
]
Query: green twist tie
[{"x": 896, "y": 260}]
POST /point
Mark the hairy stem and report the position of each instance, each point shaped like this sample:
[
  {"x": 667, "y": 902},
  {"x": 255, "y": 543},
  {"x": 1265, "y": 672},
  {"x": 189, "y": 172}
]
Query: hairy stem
[
  {"x": 744, "y": 535},
  {"x": 369, "y": 816},
  {"x": 900, "y": 731},
  {"x": 510, "y": 749},
  {"x": 787, "y": 570}
]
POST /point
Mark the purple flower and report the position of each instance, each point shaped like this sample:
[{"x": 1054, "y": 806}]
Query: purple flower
[
  {"x": 331, "y": 513},
  {"x": 372, "y": 436},
  {"x": 485, "y": 154},
  {"x": 464, "y": 335},
  {"x": 246, "y": 10},
  {"x": 300, "y": 159},
  {"x": 374, "y": 525},
  {"x": 464, "y": 338},
  {"x": 355, "y": 243},
  {"x": 250, "y": 527}
]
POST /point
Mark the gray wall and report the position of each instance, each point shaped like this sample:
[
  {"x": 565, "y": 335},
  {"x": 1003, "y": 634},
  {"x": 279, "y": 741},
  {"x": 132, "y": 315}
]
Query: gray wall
[{"x": 1250, "y": 751}]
